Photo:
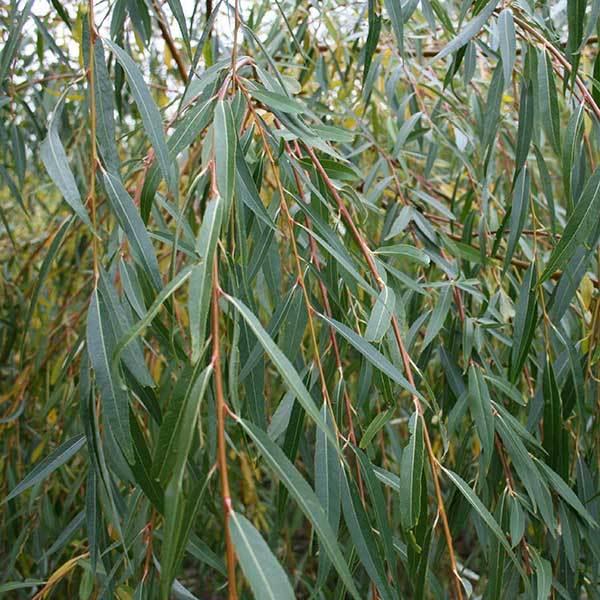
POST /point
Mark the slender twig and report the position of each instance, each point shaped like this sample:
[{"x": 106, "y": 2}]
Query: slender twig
[
  {"x": 168, "y": 38},
  {"x": 222, "y": 410},
  {"x": 314, "y": 257},
  {"x": 433, "y": 462}
]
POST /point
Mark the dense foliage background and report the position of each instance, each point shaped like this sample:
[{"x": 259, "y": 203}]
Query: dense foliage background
[{"x": 299, "y": 299}]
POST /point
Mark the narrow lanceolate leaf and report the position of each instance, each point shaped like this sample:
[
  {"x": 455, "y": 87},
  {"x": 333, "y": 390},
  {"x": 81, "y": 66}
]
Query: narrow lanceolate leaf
[
  {"x": 526, "y": 121},
  {"x": 130, "y": 221},
  {"x": 406, "y": 252},
  {"x": 411, "y": 471},
  {"x": 552, "y": 439},
  {"x": 518, "y": 214},
  {"x": 543, "y": 576},
  {"x": 276, "y": 101},
  {"x": 374, "y": 30},
  {"x": 375, "y": 426},
  {"x": 378, "y": 360},
  {"x": 179, "y": 15},
  {"x": 115, "y": 400},
  {"x": 188, "y": 129},
  {"x": 55, "y": 160},
  {"x": 363, "y": 538},
  {"x": 381, "y": 315},
  {"x": 438, "y": 316},
  {"x": 225, "y": 145},
  {"x": 105, "y": 108},
  {"x": 48, "y": 465},
  {"x": 548, "y": 101},
  {"x": 394, "y": 10},
  {"x": 150, "y": 115},
  {"x": 284, "y": 366},
  {"x": 178, "y": 426},
  {"x": 480, "y": 405},
  {"x": 471, "y": 29},
  {"x": 328, "y": 473},
  {"x": 201, "y": 277},
  {"x": 12, "y": 42},
  {"x": 525, "y": 322},
  {"x": 485, "y": 515},
  {"x": 506, "y": 33},
  {"x": 582, "y": 221},
  {"x": 133, "y": 357},
  {"x": 160, "y": 299},
  {"x": 265, "y": 575},
  {"x": 306, "y": 499}
]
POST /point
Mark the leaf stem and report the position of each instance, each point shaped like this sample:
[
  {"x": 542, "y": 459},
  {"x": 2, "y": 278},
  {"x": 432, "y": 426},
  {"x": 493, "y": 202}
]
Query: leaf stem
[{"x": 222, "y": 410}]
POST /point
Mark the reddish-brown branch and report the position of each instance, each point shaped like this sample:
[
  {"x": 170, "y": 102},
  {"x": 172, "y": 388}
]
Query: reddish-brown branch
[
  {"x": 168, "y": 38},
  {"x": 368, "y": 256},
  {"x": 222, "y": 411}
]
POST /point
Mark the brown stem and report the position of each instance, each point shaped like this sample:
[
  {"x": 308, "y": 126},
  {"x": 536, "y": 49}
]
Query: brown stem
[
  {"x": 433, "y": 462},
  {"x": 221, "y": 442},
  {"x": 168, "y": 38},
  {"x": 314, "y": 257}
]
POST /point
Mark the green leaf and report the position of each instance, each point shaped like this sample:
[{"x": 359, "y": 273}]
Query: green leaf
[
  {"x": 518, "y": 214},
  {"x": 201, "y": 276},
  {"x": 328, "y": 472},
  {"x": 526, "y": 122},
  {"x": 362, "y": 537},
  {"x": 283, "y": 365},
  {"x": 12, "y": 42},
  {"x": 485, "y": 515},
  {"x": 524, "y": 326},
  {"x": 394, "y": 10},
  {"x": 548, "y": 101},
  {"x": 306, "y": 499},
  {"x": 375, "y": 426},
  {"x": 48, "y": 465},
  {"x": 372, "y": 355},
  {"x": 580, "y": 225},
  {"x": 265, "y": 575},
  {"x": 225, "y": 145},
  {"x": 381, "y": 315},
  {"x": 179, "y": 15},
  {"x": 470, "y": 30},
  {"x": 480, "y": 405},
  {"x": 411, "y": 471},
  {"x": 438, "y": 316},
  {"x": 133, "y": 226},
  {"x": 405, "y": 251},
  {"x": 506, "y": 33},
  {"x": 567, "y": 494},
  {"x": 138, "y": 327},
  {"x": 188, "y": 129},
  {"x": 54, "y": 157},
  {"x": 150, "y": 115},
  {"x": 543, "y": 575},
  {"x": 105, "y": 108},
  {"x": 552, "y": 430},
  {"x": 277, "y": 102},
  {"x": 178, "y": 426},
  {"x": 115, "y": 400}
]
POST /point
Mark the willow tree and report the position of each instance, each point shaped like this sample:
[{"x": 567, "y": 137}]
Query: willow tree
[{"x": 300, "y": 299}]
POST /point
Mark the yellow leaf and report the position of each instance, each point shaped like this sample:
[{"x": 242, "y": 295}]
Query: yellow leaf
[
  {"x": 587, "y": 291},
  {"x": 58, "y": 575},
  {"x": 35, "y": 455},
  {"x": 52, "y": 417}
]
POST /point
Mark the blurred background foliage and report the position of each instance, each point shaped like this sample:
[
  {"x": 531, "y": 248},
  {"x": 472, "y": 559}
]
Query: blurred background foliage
[{"x": 299, "y": 299}]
